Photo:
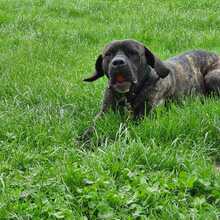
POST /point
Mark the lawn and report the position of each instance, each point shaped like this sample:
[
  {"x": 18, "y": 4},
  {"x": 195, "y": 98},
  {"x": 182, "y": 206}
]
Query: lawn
[{"x": 160, "y": 168}]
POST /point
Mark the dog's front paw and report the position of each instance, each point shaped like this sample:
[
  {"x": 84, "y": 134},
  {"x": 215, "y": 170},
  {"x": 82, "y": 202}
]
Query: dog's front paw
[{"x": 86, "y": 136}]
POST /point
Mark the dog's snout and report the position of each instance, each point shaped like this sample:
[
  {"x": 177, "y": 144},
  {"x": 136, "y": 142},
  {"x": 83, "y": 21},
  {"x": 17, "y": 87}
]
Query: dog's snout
[{"x": 118, "y": 61}]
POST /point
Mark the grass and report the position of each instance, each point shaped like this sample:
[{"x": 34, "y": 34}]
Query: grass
[{"x": 160, "y": 168}]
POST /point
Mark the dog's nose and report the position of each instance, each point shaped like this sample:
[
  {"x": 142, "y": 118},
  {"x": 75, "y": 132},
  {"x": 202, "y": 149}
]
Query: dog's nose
[{"x": 118, "y": 61}]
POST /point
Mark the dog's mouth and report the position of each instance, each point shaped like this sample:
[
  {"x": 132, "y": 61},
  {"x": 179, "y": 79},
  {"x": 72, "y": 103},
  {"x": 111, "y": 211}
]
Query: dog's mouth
[
  {"x": 120, "y": 78},
  {"x": 121, "y": 84}
]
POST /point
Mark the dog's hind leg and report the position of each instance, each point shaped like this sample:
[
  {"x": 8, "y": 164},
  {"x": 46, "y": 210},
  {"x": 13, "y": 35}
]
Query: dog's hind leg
[{"x": 212, "y": 81}]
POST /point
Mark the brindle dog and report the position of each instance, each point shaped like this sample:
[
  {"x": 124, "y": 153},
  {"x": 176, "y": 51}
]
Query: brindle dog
[{"x": 141, "y": 81}]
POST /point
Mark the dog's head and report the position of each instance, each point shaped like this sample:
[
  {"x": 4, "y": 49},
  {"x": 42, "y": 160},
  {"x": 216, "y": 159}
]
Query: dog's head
[{"x": 126, "y": 63}]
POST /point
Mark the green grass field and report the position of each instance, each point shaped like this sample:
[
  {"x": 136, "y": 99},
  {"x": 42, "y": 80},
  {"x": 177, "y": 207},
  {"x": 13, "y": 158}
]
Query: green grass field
[{"x": 160, "y": 168}]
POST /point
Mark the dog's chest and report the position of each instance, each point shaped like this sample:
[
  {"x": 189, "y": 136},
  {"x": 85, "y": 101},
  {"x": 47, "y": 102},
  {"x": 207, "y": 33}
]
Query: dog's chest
[{"x": 123, "y": 103}]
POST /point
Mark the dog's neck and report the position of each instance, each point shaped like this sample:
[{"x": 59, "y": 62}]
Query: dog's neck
[
  {"x": 149, "y": 79},
  {"x": 145, "y": 87}
]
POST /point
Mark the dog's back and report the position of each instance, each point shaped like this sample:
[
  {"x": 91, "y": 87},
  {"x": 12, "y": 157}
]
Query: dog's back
[{"x": 189, "y": 69}]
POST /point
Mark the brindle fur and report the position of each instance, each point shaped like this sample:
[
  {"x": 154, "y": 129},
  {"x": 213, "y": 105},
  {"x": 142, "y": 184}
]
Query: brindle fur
[{"x": 195, "y": 72}]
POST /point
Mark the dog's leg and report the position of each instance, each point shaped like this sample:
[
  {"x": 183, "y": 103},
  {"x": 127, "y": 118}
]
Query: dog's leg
[
  {"x": 212, "y": 81},
  {"x": 108, "y": 102}
]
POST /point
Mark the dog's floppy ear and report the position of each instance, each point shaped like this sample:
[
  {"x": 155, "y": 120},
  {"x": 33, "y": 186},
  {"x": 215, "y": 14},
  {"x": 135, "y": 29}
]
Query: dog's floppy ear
[
  {"x": 156, "y": 63},
  {"x": 98, "y": 70}
]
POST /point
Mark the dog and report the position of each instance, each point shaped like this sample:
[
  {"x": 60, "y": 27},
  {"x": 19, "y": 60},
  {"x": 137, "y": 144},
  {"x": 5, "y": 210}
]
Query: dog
[{"x": 140, "y": 81}]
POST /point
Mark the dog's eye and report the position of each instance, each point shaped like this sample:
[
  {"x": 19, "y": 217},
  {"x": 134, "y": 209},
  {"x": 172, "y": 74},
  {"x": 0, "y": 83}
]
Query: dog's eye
[
  {"x": 108, "y": 55},
  {"x": 132, "y": 53}
]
